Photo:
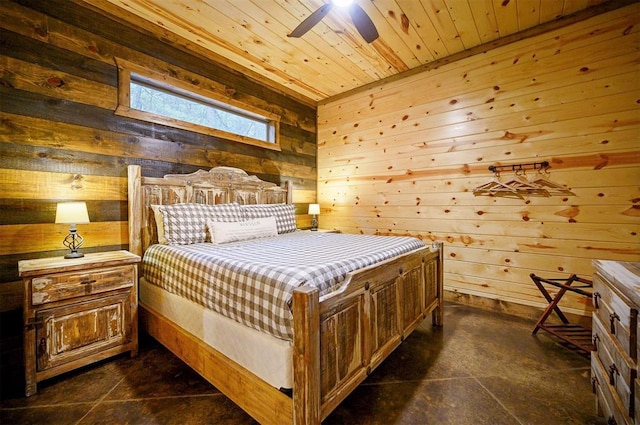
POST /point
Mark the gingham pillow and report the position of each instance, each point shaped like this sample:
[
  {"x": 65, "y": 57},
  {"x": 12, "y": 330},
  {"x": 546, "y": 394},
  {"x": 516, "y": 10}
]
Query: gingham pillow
[
  {"x": 186, "y": 224},
  {"x": 285, "y": 214}
]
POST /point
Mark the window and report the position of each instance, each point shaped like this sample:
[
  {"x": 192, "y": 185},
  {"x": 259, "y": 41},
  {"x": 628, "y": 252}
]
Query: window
[{"x": 149, "y": 96}]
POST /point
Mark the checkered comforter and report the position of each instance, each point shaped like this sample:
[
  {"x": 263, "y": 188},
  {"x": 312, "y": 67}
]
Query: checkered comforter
[{"x": 252, "y": 281}]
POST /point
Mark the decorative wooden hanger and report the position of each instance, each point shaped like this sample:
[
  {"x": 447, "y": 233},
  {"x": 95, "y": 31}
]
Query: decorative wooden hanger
[
  {"x": 552, "y": 188},
  {"x": 519, "y": 185}
]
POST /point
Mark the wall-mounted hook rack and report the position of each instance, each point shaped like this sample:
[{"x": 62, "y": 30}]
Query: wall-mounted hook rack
[{"x": 520, "y": 167}]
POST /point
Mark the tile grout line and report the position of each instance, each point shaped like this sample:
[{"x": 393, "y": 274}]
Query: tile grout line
[
  {"x": 100, "y": 400},
  {"x": 498, "y": 401},
  {"x": 404, "y": 381},
  {"x": 45, "y": 406}
]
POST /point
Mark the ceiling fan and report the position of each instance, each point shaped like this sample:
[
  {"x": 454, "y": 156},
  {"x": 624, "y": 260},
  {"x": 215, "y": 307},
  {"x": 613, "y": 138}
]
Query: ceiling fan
[{"x": 360, "y": 19}]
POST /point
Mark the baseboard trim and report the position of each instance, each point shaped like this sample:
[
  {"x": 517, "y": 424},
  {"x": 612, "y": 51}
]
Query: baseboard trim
[{"x": 519, "y": 310}]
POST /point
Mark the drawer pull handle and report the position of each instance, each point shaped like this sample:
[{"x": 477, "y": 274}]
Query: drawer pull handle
[
  {"x": 613, "y": 370},
  {"x": 613, "y": 317},
  {"x": 594, "y": 384},
  {"x": 87, "y": 282},
  {"x": 611, "y": 421},
  {"x": 596, "y": 297},
  {"x": 32, "y": 322},
  {"x": 595, "y": 341}
]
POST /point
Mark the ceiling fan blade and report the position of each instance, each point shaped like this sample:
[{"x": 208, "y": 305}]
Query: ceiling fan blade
[
  {"x": 363, "y": 23},
  {"x": 311, "y": 20}
]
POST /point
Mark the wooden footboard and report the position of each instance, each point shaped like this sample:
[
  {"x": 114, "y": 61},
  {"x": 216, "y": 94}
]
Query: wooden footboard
[{"x": 341, "y": 338}]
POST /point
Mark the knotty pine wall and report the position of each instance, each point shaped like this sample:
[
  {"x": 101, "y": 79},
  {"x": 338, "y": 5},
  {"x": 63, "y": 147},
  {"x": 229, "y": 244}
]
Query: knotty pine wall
[
  {"x": 61, "y": 140},
  {"x": 403, "y": 158}
]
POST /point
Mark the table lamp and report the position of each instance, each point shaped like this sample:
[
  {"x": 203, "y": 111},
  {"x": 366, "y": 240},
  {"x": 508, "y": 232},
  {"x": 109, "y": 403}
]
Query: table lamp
[
  {"x": 314, "y": 210},
  {"x": 72, "y": 213}
]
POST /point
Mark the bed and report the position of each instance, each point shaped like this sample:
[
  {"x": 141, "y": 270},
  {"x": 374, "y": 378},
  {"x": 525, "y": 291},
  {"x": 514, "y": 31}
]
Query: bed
[{"x": 334, "y": 337}]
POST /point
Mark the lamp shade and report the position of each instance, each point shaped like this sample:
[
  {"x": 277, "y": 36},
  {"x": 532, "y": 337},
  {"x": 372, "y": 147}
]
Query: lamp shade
[
  {"x": 314, "y": 209},
  {"x": 72, "y": 213}
]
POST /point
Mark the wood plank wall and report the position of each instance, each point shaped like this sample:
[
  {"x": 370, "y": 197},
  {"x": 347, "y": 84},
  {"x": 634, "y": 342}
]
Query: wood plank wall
[
  {"x": 403, "y": 158},
  {"x": 61, "y": 140}
]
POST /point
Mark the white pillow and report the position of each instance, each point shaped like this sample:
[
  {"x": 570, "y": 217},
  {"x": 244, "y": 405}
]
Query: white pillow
[{"x": 222, "y": 232}]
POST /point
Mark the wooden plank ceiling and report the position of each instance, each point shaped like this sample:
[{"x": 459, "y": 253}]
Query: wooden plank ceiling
[{"x": 333, "y": 58}]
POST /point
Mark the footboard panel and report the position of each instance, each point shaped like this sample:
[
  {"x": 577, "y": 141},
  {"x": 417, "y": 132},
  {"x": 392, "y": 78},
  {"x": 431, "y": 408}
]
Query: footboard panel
[{"x": 369, "y": 317}]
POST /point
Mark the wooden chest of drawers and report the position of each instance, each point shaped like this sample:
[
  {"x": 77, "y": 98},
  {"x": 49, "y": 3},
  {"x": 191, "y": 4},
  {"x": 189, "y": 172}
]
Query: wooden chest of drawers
[
  {"x": 77, "y": 311},
  {"x": 614, "y": 363}
]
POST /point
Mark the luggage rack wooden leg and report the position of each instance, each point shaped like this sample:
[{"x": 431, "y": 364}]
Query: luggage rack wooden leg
[{"x": 574, "y": 334}]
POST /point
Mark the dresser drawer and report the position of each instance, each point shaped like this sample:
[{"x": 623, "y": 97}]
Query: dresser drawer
[
  {"x": 64, "y": 286},
  {"x": 603, "y": 400},
  {"x": 619, "y": 368},
  {"x": 637, "y": 401},
  {"x": 609, "y": 404},
  {"x": 620, "y": 318}
]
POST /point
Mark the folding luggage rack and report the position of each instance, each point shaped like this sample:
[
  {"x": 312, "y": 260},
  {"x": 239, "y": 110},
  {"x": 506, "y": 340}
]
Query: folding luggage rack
[{"x": 574, "y": 334}]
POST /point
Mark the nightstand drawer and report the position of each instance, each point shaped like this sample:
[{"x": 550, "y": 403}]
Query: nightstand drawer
[{"x": 64, "y": 286}]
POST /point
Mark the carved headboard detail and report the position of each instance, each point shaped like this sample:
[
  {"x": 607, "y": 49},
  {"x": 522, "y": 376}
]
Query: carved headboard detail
[{"x": 220, "y": 185}]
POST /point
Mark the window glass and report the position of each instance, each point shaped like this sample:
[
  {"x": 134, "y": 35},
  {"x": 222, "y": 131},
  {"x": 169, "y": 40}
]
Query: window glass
[{"x": 145, "y": 97}]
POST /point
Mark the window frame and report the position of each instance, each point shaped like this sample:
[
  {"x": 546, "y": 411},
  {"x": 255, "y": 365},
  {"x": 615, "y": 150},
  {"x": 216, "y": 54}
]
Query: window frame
[{"x": 128, "y": 71}]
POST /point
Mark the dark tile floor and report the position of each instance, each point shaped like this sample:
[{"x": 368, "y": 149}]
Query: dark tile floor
[{"x": 481, "y": 368}]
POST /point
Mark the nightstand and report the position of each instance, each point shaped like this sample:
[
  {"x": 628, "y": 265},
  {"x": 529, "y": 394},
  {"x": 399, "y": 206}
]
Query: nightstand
[{"x": 77, "y": 311}]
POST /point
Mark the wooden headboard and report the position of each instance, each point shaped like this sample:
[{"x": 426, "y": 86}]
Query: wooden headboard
[{"x": 220, "y": 185}]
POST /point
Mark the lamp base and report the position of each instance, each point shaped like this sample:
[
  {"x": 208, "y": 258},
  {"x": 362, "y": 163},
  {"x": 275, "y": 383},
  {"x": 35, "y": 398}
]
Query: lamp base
[{"x": 73, "y": 241}]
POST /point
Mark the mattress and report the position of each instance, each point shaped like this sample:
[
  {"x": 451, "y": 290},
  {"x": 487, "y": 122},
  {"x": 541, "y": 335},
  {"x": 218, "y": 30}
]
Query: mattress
[
  {"x": 268, "y": 357},
  {"x": 252, "y": 282}
]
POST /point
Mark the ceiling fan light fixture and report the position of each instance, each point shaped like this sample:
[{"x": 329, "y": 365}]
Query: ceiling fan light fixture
[
  {"x": 360, "y": 19},
  {"x": 342, "y": 3}
]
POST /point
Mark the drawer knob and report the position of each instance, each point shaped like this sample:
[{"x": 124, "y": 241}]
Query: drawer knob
[
  {"x": 596, "y": 297},
  {"x": 611, "y": 421},
  {"x": 88, "y": 282},
  {"x": 613, "y": 317}
]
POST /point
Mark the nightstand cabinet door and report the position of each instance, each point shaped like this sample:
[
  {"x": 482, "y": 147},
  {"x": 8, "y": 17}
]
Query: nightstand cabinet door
[{"x": 70, "y": 333}]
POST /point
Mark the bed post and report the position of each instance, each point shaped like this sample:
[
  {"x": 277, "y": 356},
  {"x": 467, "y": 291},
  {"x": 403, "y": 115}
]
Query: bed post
[
  {"x": 306, "y": 356},
  {"x": 437, "y": 316},
  {"x": 289, "y": 187},
  {"x": 134, "y": 195}
]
